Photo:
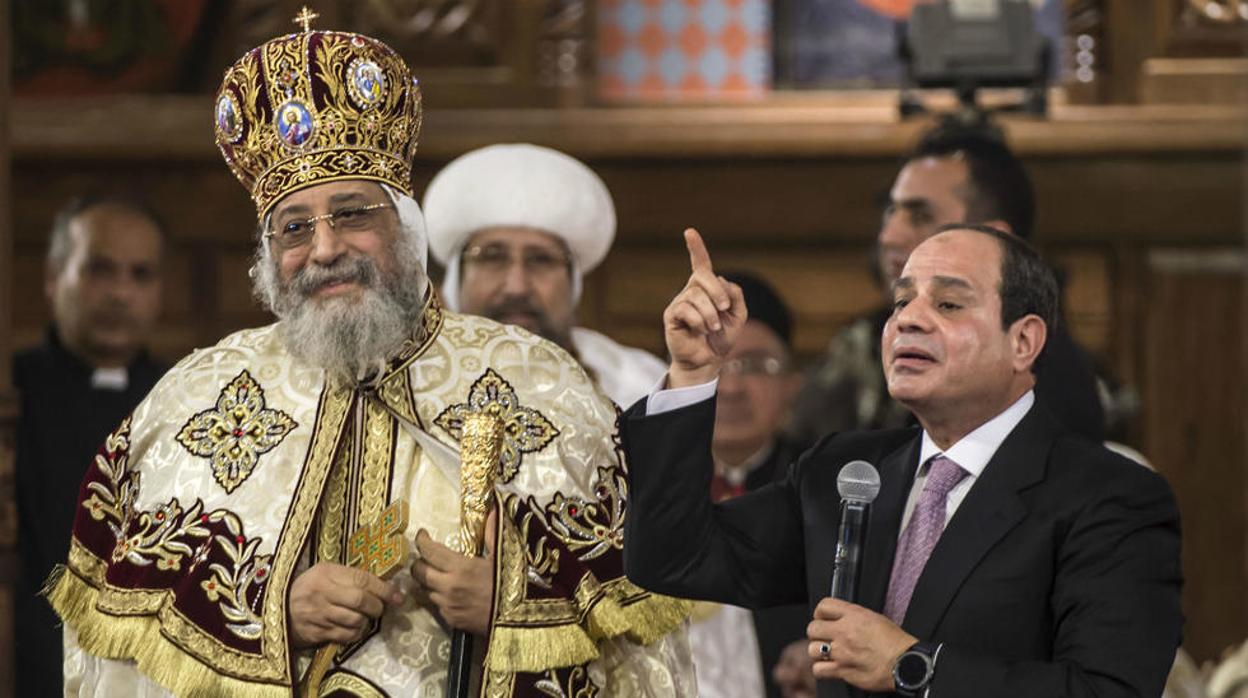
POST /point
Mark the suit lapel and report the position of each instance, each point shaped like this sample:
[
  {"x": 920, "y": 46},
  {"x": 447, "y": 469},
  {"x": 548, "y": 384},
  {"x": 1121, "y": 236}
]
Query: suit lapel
[
  {"x": 896, "y": 477},
  {"x": 990, "y": 510}
]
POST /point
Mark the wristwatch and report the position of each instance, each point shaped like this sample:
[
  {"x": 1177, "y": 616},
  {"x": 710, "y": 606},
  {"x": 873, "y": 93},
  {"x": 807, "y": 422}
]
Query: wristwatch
[{"x": 915, "y": 668}]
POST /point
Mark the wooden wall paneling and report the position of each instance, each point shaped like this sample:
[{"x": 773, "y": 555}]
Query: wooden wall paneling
[
  {"x": 8, "y": 406},
  {"x": 1129, "y": 266},
  {"x": 1195, "y": 80},
  {"x": 1194, "y": 413},
  {"x": 1162, "y": 198},
  {"x": 173, "y": 129},
  {"x": 1130, "y": 41}
]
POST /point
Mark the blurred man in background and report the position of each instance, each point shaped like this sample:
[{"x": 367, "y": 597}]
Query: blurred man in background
[
  {"x": 103, "y": 283},
  {"x": 517, "y": 227}
]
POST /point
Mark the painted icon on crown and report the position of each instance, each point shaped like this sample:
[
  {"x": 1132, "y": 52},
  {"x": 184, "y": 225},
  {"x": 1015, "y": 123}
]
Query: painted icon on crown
[
  {"x": 294, "y": 123},
  {"x": 367, "y": 83},
  {"x": 228, "y": 123}
]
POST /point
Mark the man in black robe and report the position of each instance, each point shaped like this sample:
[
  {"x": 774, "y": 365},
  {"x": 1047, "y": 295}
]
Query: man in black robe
[{"x": 103, "y": 283}]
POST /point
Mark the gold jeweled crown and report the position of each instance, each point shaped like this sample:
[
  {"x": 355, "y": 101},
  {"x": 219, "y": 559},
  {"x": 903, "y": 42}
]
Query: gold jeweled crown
[{"x": 315, "y": 107}]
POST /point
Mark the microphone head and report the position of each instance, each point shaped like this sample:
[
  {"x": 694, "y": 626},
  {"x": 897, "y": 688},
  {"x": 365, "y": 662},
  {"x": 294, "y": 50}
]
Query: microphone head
[{"x": 858, "y": 481}]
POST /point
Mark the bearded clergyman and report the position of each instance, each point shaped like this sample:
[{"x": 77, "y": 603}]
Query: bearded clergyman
[{"x": 210, "y": 548}]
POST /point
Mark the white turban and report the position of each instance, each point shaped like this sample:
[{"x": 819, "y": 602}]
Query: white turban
[{"x": 518, "y": 185}]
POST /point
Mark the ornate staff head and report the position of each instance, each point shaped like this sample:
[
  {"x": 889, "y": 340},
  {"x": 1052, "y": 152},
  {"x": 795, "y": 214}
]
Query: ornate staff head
[{"x": 480, "y": 444}]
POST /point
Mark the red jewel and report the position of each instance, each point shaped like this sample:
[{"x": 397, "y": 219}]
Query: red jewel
[
  {"x": 238, "y": 433},
  {"x": 572, "y": 511},
  {"x": 212, "y": 585},
  {"x": 203, "y": 518},
  {"x": 239, "y": 539},
  {"x": 260, "y": 574},
  {"x": 160, "y": 516}
]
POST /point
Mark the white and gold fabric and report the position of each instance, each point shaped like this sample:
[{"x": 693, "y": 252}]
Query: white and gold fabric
[{"x": 243, "y": 466}]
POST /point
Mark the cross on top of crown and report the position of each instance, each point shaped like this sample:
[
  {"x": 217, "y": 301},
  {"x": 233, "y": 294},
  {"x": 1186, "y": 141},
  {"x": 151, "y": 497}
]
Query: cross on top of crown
[{"x": 305, "y": 18}]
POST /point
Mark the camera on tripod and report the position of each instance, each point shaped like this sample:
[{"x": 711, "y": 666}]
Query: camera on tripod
[{"x": 968, "y": 45}]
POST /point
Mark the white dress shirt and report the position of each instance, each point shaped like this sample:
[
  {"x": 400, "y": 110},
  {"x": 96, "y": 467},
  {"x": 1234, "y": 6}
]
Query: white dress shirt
[{"x": 972, "y": 452}]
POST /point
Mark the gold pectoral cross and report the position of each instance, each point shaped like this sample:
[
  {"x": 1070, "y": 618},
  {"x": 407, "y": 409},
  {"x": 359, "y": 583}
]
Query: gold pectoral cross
[{"x": 377, "y": 547}]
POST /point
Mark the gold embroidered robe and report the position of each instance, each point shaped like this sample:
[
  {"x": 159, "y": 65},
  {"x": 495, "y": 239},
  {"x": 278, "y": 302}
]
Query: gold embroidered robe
[{"x": 243, "y": 466}]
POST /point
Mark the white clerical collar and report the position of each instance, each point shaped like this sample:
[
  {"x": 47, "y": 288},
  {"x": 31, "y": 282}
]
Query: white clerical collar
[
  {"x": 116, "y": 379},
  {"x": 737, "y": 475},
  {"x": 974, "y": 450}
]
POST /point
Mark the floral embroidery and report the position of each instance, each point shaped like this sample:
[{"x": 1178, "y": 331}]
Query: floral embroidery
[
  {"x": 165, "y": 536},
  {"x": 233, "y": 585},
  {"x": 235, "y": 433},
  {"x": 525, "y": 430},
  {"x": 541, "y": 558},
  {"x": 591, "y": 529},
  {"x": 576, "y": 683},
  {"x": 113, "y": 498},
  {"x": 160, "y": 536}
]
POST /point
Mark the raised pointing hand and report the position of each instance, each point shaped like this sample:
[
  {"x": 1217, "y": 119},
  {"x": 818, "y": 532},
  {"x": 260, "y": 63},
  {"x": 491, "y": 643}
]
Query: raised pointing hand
[{"x": 703, "y": 320}]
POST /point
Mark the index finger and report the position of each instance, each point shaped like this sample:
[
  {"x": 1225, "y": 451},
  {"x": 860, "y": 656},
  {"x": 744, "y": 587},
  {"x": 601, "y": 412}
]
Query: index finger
[
  {"x": 434, "y": 553},
  {"x": 831, "y": 609},
  {"x": 699, "y": 258}
]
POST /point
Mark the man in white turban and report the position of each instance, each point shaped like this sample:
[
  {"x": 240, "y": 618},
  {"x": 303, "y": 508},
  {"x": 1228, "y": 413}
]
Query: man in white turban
[{"x": 517, "y": 226}]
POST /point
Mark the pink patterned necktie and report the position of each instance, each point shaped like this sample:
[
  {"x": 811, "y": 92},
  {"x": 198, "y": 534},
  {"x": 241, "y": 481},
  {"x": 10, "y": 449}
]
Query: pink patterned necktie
[{"x": 926, "y": 524}]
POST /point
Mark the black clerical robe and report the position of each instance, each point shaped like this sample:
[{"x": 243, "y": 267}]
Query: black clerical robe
[{"x": 63, "y": 420}]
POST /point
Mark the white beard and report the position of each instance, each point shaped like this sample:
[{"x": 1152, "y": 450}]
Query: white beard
[{"x": 351, "y": 337}]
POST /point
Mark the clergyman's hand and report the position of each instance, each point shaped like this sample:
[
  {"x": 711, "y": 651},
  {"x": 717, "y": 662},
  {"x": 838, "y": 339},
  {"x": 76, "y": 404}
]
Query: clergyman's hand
[
  {"x": 459, "y": 589},
  {"x": 703, "y": 321},
  {"x": 334, "y": 603},
  {"x": 793, "y": 672}
]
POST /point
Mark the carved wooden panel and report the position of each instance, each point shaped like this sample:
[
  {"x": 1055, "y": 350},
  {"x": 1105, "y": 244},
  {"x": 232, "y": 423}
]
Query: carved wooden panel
[{"x": 1194, "y": 349}]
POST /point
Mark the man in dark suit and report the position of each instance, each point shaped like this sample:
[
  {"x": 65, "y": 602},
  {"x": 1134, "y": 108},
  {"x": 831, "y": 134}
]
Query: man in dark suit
[{"x": 1005, "y": 556}]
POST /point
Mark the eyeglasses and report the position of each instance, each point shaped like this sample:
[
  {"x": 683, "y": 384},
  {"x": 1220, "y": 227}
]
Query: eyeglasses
[
  {"x": 753, "y": 366},
  {"x": 497, "y": 259},
  {"x": 297, "y": 232}
]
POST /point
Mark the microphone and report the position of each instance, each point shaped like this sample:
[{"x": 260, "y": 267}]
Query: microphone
[{"x": 858, "y": 484}]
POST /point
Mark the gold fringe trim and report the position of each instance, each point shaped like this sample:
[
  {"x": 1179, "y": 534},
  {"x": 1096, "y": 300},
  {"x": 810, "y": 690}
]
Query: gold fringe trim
[
  {"x": 703, "y": 610},
  {"x": 537, "y": 649},
  {"x": 650, "y": 618},
  {"x": 138, "y": 638}
]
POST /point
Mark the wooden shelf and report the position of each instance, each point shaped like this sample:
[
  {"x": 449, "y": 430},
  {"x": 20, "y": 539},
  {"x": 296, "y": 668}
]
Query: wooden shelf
[{"x": 180, "y": 128}]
